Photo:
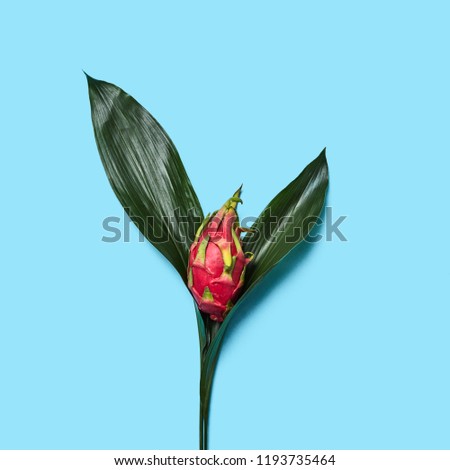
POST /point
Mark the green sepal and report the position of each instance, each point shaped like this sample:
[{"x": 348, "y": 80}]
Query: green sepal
[
  {"x": 202, "y": 226},
  {"x": 207, "y": 294},
  {"x": 190, "y": 279},
  {"x": 235, "y": 199},
  {"x": 228, "y": 270},
  {"x": 226, "y": 256},
  {"x": 236, "y": 240},
  {"x": 201, "y": 253}
]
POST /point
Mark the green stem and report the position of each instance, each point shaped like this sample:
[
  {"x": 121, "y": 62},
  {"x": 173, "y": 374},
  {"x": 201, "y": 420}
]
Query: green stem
[
  {"x": 208, "y": 366},
  {"x": 203, "y": 444},
  {"x": 211, "y": 334}
]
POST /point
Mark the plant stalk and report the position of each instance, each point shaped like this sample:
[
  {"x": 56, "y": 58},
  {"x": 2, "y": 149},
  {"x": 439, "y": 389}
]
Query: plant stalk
[{"x": 208, "y": 361}]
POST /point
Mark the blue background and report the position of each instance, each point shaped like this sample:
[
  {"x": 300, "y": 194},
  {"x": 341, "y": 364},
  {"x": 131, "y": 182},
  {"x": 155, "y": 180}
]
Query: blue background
[{"x": 349, "y": 346}]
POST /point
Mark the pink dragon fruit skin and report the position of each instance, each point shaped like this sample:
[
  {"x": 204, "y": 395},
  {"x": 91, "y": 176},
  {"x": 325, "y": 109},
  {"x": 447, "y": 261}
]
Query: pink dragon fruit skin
[{"x": 217, "y": 263}]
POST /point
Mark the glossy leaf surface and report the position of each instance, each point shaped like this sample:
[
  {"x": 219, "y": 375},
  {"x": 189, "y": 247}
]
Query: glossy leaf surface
[
  {"x": 282, "y": 225},
  {"x": 286, "y": 220},
  {"x": 145, "y": 172}
]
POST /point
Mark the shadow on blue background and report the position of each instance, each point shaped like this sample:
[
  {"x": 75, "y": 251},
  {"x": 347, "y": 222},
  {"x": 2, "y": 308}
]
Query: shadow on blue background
[{"x": 274, "y": 279}]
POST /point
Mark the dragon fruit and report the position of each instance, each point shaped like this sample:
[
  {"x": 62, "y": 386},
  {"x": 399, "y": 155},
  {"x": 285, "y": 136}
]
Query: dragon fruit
[{"x": 217, "y": 263}]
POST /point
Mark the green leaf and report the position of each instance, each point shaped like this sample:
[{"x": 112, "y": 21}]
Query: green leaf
[
  {"x": 145, "y": 172},
  {"x": 302, "y": 201},
  {"x": 287, "y": 220}
]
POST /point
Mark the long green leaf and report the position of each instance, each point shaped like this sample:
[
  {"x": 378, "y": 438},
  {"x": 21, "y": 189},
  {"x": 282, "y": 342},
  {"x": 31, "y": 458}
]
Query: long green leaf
[
  {"x": 145, "y": 172},
  {"x": 287, "y": 220},
  {"x": 292, "y": 212}
]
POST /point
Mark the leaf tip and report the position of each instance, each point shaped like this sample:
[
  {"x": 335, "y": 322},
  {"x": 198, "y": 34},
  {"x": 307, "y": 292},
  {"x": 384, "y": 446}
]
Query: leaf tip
[
  {"x": 322, "y": 158},
  {"x": 90, "y": 80}
]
